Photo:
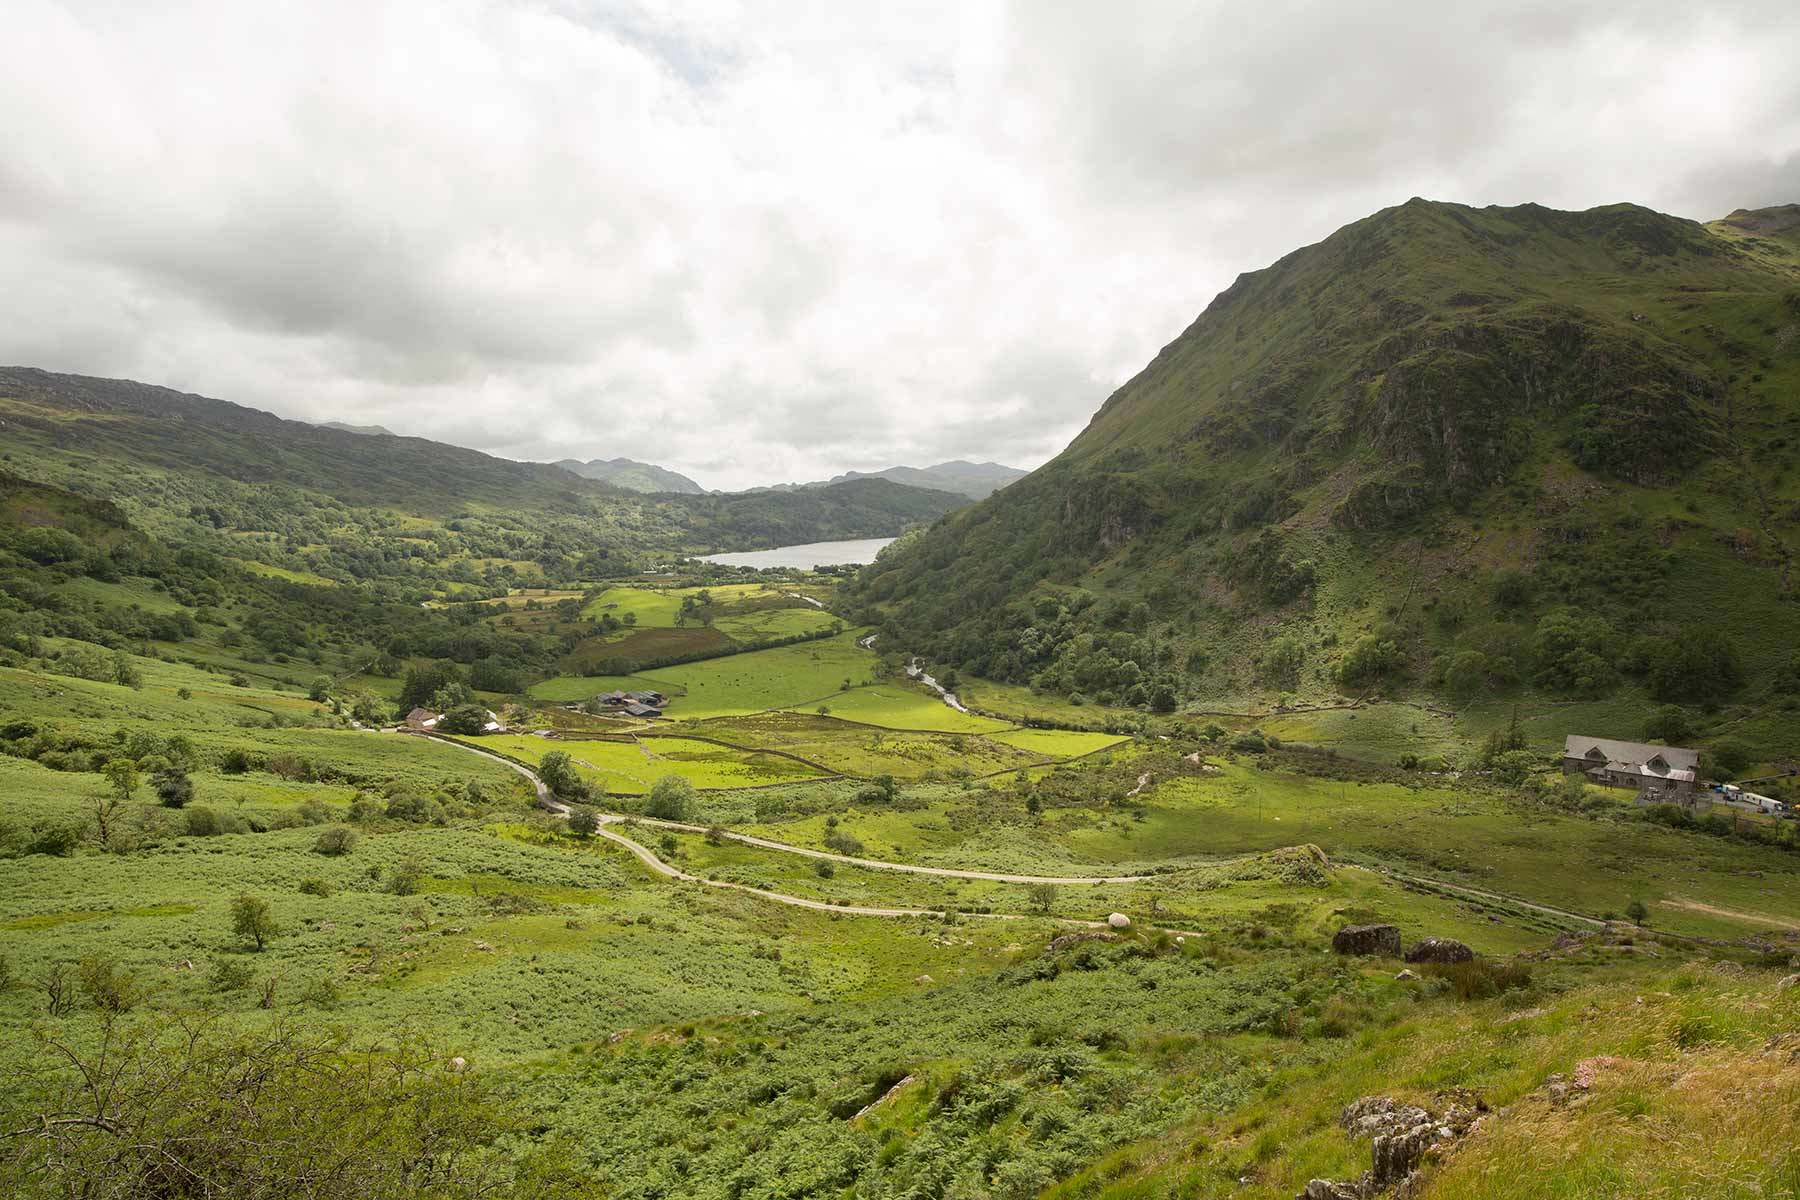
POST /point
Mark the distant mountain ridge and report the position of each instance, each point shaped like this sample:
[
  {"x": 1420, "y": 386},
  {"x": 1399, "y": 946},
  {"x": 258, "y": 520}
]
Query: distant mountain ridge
[
  {"x": 632, "y": 475},
  {"x": 977, "y": 481}
]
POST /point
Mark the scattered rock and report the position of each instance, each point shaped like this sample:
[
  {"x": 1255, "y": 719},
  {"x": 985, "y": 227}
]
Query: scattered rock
[
  {"x": 1383, "y": 940},
  {"x": 481, "y": 945},
  {"x": 186, "y": 964},
  {"x": 1407, "y": 973},
  {"x": 1787, "y": 981},
  {"x": 923, "y": 979},
  {"x": 458, "y": 1063},
  {"x": 1439, "y": 950},
  {"x": 1118, "y": 921},
  {"x": 1325, "y": 1189}
]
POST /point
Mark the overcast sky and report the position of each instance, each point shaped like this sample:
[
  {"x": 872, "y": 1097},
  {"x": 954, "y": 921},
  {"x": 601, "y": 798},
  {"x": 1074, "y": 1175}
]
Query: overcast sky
[{"x": 761, "y": 242}]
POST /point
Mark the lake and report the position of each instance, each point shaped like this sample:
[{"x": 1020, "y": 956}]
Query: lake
[{"x": 804, "y": 558}]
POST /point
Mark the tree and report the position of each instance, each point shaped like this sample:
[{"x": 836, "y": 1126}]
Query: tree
[
  {"x": 422, "y": 683},
  {"x": 1574, "y": 653},
  {"x": 1728, "y": 757},
  {"x": 1043, "y": 896},
  {"x": 1466, "y": 676},
  {"x": 464, "y": 719},
  {"x": 672, "y": 798},
  {"x": 253, "y": 919},
  {"x": 1636, "y": 912},
  {"x": 1280, "y": 662},
  {"x": 125, "y": 671},
  {"x": 106, "y": 808},
  {"x": 557, "y": 772},
  {"x": 173, "y": 786},
  {"x": 1669, "y": 725},
  {"x": 320, "y": 690},
  {"x": 583, "y": 821},
  {"x": 1370, "y": 656},
  {"x": 122, "y": 776}
]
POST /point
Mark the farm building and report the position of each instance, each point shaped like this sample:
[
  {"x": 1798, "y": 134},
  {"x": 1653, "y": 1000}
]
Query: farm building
[
  {"x": 634, "y": 709},
  {"x": 1632, "y": 764},
  {"x": 421, "y": 718}
]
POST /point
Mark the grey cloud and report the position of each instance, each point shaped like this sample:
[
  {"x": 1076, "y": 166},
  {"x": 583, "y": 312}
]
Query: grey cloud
[{"x": 775, "y": 242}]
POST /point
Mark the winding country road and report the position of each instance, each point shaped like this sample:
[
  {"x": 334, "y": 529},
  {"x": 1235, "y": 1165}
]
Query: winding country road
[
  {"x": 662, "y": 868},
  {"x": 648, "y": 857}
]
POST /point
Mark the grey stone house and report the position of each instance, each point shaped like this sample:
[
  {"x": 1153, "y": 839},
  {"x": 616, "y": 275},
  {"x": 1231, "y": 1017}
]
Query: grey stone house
[{"x": 1632, "y": 764}]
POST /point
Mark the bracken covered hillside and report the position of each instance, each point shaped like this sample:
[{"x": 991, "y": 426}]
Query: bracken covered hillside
[
  {"x": 1464, "y": 451},
  {"x": 344, "y": 506}
]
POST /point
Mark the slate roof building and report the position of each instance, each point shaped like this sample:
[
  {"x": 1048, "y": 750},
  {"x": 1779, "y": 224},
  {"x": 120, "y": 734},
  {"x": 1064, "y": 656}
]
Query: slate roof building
[
  {"x": 421, "y": 718},
  {"x": 1632, "y": 764}
]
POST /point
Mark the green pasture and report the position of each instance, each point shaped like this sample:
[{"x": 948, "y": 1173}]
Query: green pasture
[
  {"x": 905, "y": 706},
  {"x": 1057, "y": 743},
  {"x": 632, "y": 767},
  {"x": 760, "y": 680}
]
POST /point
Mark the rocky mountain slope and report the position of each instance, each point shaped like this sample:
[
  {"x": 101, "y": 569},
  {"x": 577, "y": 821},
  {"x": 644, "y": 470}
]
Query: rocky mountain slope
[{"x": 1447, "y": 450}]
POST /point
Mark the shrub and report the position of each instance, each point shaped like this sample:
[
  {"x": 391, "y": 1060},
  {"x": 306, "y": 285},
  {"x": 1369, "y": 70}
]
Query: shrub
[
  {"x": 173, "y": 787},
  {"x": 107, "y": 985},
  {"x": 337, "y": 840},
  {"x": 203, "y": 822},
  {"x": 1481, "y": 978},
  {"x": 406, "y": 877},
  {"x": 823, "y": 868},
  {"x": 313, "y": 885},
  {"x": 843, "y": 843},
  {"x": 583, "y": 821},
  {"x": 230, "y": 975}
]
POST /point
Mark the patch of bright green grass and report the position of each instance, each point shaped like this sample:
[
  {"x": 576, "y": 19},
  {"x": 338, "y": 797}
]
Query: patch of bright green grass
[
  {"x": 905, "y": 706},
  {"x": 1057, "y": 743}
]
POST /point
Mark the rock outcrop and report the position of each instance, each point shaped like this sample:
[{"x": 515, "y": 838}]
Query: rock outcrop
[
  {"x": 1439, "y": 950},
  {"x": 1383, "y": 940},
  {"x": 1401, "y": 1138}
]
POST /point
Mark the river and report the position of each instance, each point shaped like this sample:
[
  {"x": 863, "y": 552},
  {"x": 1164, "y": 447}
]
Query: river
[{"x": 804, "y": 558}]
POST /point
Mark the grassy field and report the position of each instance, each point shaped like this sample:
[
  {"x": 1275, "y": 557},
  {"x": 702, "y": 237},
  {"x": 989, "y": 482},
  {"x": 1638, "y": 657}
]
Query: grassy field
[
  {"x": 782, "y": 677},
  {"x": 906, "y": 706},
  {"x": 631, "y": 768},
  {"x": 1057, "y": 743}
]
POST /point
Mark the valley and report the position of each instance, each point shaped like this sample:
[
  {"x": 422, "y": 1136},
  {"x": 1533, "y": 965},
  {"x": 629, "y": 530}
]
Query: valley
[{"x": 465, "y": 827}]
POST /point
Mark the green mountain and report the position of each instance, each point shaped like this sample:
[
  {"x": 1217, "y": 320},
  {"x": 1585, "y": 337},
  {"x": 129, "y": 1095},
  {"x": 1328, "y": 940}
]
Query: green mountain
[
  {"x": 976, "y": 481},
  {"x": 345, "y": 507},
  {"x": 632, "y": 475},
  {"x": 1448, "y": 452}
]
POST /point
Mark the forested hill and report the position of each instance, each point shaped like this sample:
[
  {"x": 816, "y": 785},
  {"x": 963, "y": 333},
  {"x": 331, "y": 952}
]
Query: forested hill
[
  {"x": 632, "y": 475},
  {"x": 1448, "y": 450},
  {"x": 345, "y": 506}
]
